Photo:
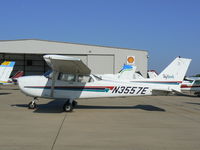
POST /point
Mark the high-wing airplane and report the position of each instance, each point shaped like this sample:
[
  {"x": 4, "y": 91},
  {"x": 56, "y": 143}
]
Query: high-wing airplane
[
  {"x": 5, "y": 70},
  {"x": 191, "y": 85},
  {"x": 71, "y": 79}
]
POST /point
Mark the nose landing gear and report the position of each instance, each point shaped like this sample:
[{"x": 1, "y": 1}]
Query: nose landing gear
[{"x": 32, "y": 104}]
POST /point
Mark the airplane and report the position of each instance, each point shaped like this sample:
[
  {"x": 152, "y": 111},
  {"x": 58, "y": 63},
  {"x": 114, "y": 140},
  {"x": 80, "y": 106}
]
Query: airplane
[
  {"x": 190, "y": 85},
  {"x": 71, "y": 79},
  {"x": 5, "y": 70},
  {"x": 128, "y": 72}
]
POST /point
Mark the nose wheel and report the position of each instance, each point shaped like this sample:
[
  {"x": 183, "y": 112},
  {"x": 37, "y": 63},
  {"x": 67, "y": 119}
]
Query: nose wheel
[
  {"x": 32, "y": 105},
  {"x": 69, "y": 105}
]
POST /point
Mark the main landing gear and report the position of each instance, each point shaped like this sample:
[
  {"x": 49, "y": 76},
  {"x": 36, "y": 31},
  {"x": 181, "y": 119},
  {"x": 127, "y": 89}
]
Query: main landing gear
[
  {"x": 69, "y": 105},
  {"x": 32, "y": 104}
]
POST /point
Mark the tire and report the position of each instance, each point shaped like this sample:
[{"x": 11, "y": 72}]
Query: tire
[
  {"x": 32, "y": 105},
  {"x": 67, "y": 107}
]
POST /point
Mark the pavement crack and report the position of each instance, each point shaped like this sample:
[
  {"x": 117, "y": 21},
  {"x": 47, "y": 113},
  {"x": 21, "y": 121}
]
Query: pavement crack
[{"x": 54, "y": 142}]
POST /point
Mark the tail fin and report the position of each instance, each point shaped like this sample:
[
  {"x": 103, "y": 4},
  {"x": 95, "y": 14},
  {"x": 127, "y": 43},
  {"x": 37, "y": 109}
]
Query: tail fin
[
  {"x": 152, "y": 74},
  {"x": 5, "y": 70},
  {"x": 127, "y": 72},
  {"x": 18, "y": 74},
  {"x": 175, "y": 71}
]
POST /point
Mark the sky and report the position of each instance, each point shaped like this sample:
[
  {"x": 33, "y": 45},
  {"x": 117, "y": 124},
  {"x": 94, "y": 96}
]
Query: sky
[{"x": 165, "y": 28}]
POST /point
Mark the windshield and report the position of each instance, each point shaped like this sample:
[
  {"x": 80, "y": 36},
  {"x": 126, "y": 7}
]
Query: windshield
[
  {"x": 48, "y": 74},
  {"x": 97, "y": 78},
  {"x": 197, "y": 82}
]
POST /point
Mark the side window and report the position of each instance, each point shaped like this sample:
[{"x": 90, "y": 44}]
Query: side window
[
  {"x": 85, "y": 79},
  {"x": 66, "y": 77}
]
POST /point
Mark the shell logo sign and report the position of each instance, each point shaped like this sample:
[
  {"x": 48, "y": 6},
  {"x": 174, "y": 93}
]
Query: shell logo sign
[
  {"x": 6, "y": 63},
  {"x": 130, "y": 60}
]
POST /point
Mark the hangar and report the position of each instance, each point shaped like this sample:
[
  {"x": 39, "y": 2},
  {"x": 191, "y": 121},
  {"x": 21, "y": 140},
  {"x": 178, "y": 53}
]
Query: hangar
[{"x": 28, "y": 55}]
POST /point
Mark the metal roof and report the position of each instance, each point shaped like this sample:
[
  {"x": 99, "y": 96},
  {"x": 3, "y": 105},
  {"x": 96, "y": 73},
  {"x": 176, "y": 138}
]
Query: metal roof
[{"x": 72, "y": 43}]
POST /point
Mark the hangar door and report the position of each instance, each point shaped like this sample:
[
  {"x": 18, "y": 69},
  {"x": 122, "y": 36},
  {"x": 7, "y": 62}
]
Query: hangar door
[{"x": 100, "y": 64}]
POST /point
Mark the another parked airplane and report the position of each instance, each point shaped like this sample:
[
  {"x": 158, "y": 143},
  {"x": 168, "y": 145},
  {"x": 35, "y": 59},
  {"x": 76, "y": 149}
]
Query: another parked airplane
[
  {"x": 191, "y": 85},
  {"x": 5, "y": 70}
]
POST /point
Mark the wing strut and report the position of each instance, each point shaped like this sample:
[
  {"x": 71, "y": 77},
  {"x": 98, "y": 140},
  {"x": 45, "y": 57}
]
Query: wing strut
[{"x": 53, "y": 83}]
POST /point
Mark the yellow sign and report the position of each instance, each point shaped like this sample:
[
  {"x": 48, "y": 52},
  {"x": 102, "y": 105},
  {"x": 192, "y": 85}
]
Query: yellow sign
[
  {"x": 130, "y": 60},
  {"x": 6, "y": 63}
]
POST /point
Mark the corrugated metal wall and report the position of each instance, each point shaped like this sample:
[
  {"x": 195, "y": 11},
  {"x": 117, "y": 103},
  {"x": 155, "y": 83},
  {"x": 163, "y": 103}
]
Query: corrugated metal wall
[
  {"x": 34, "y": 64},
  {"x": 31, "y": 64}
]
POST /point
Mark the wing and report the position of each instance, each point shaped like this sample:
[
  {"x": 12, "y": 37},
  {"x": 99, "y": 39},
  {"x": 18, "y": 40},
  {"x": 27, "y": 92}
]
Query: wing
[{"x": 66, "y": 64}]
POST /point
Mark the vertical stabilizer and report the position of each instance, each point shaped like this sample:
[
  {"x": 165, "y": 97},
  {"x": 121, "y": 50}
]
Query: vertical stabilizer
[
  {"x": 152, "y": 74},
  {"x": 175, "y": 71},
  {"x": 5, "y": 70},
  {"x": 127, "y": 72}
]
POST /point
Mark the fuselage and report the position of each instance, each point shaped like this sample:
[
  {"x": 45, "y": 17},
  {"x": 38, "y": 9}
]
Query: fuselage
[{"x": 40, "y": 86}]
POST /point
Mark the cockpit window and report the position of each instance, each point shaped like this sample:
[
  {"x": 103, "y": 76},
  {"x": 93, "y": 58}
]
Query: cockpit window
[{"x": 73, "y": 78}]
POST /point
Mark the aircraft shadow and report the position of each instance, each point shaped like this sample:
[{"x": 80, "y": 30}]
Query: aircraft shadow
[
  {"x": 4, "y": 93},
  {"x": 15, "y": 89},
  {"x": 51, "y": 107},
  {"x": 142, "y": 107},
  {"x": 56, "y": 107},
  {"x": 192, "y": 103},
  {"x": 188, "y": 95}
]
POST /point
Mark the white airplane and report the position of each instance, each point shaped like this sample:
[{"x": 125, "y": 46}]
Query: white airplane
[
  {"x": 191, "y": 85},
  {"x": 5, "y": 70},
  {"x": 128, "y": 72},
  {"x": 71, "y": 79}
]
